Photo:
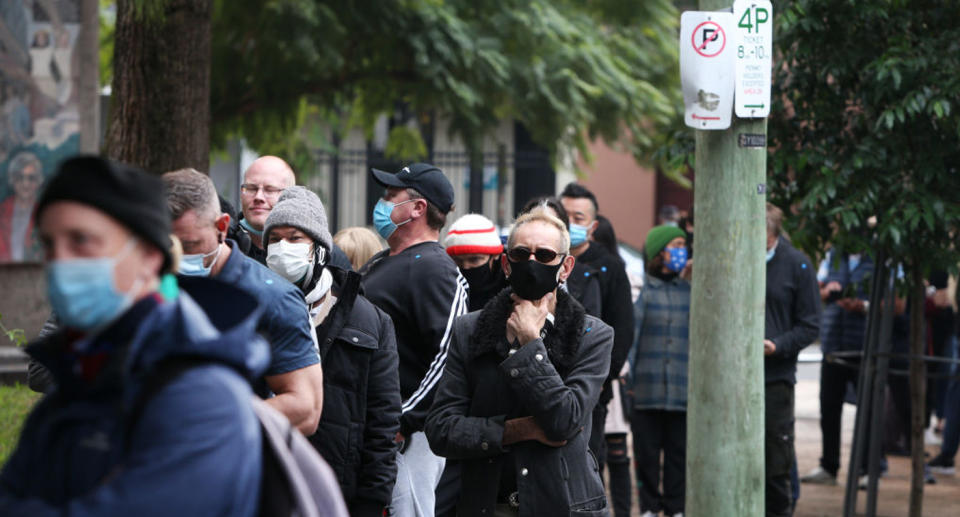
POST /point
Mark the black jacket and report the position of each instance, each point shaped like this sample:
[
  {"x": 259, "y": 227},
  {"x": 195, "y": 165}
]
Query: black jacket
[
  {"x": 361, "y": 397},
  {"x": 616, "y": 307},
  {"x": 557, "y": 380},
  {"x": 422, "y": 291},
  {"x": 792, "y": 319},
  {"x": 584, "y": 285}
]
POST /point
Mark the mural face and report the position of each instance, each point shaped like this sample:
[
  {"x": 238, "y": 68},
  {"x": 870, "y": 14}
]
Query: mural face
[{"x": 39, "y": 121}]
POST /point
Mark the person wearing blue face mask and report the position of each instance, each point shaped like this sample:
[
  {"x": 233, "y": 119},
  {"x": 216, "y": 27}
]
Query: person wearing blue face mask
[
  {"x": 293, "y": 383},
  {"x": 419, "y": 286},
  {"x": 792, "y": 321},
  {"x": 105, "y": 231},
  {"x": 616, "y": 302},
  {"x": 657, "y": 374}
]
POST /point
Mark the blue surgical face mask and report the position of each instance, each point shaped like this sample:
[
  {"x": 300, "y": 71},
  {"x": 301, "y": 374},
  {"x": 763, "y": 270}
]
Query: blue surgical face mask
[
  {"x": 578, "y": 234},
  {"x": 82, "y": 291},
  {"x": 382, "y": 220},
  {"x": 192, "y": 265},
  {"x": 678, "y": 259}
]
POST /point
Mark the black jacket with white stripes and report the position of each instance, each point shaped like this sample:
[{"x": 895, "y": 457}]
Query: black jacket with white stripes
[{"x": 422, "y": 290}]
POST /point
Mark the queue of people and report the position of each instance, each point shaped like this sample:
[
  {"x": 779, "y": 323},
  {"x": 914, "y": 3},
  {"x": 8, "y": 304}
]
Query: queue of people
[{"x": 480, "y": 376}]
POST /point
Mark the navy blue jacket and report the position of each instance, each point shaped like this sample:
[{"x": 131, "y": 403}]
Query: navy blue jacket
[
  {"x": 842, "y": 330},
  {"x": 196, "y": 449}
]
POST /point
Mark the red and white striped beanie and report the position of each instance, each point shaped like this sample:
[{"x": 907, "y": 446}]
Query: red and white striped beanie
[{"x": 473, "y": 234}]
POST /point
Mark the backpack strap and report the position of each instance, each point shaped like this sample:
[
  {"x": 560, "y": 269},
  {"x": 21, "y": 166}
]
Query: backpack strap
[{"x": 163, "y": 373}]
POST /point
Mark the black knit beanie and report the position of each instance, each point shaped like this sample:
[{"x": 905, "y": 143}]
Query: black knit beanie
[{"x": 125, "y": 193}]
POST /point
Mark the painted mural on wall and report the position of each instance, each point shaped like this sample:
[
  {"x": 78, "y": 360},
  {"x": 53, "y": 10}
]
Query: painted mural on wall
[{"x": 39, "y": 120}]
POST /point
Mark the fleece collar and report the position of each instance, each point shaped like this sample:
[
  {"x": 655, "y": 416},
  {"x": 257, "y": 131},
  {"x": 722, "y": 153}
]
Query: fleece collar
[{"x": 562, "y": 340}]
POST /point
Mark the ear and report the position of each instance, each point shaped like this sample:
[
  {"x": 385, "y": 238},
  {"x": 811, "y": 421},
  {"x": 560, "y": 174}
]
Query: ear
[
  {"x": 592, "y": 227},
  {"x": 566, "y": 268},
  {"x": 222, "y": 224},
  {"x": 505, "y": 265},
  {"x": 419, "y": 208}
]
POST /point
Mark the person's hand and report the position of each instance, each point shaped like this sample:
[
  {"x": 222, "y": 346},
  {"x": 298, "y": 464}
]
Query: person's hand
[
  {"x": 687, "y": 272},
  {"x": 528, "y": 317},
  {"x": 830, "y": 288},
  {"x": 526, "y": 428},
  {"x": 769, "y": 347},
  {"x": 852, "y": 305}
]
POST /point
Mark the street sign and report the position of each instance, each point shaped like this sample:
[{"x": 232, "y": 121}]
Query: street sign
[
  {"x": 706, "y": 68},
  {"x": 752, "y": 41}
]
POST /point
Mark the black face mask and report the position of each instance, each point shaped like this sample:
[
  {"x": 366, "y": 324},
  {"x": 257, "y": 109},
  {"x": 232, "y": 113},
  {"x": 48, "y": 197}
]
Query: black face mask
[
  {"x": 532, "y": 280},
  {"x": 485, "y": 282}
]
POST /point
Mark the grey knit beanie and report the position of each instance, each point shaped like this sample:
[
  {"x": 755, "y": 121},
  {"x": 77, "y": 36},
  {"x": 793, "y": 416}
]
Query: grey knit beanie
[{"x": 301, "y": 208}]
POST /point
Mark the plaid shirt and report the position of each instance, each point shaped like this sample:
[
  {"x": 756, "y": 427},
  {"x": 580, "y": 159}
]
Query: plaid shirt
[{"x": 658, "y": 358}]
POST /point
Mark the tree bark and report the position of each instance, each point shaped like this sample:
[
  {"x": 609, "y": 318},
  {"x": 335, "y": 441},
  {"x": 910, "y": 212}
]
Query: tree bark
[
  {"x": 918, "y": 386},
  {"x": 88, "y": 95},
  {"x": 160, "y": 106}
]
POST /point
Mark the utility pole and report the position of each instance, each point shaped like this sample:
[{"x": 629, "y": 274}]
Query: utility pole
[{"x": 725, "y": 408}]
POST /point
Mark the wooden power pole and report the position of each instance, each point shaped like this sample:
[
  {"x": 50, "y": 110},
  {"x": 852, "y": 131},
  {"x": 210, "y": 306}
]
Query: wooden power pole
[{"x": 725, "y": 409}]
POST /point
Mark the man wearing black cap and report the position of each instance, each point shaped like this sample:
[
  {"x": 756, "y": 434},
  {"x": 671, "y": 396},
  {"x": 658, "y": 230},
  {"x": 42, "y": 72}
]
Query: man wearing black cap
[
  {"x": 106, "y": 237},
  {"x": 420, "y": 287}
]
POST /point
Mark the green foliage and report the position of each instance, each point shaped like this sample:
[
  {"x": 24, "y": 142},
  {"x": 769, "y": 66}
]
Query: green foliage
[
  {"x": 567, "y": 70},
  {"x": 15, "y": 403},
  {"x": 870, "y": 90},
  {"x": 108, "y": 26},
  {"x": 17, "y": 336},
  {"x": 405, "y": 144}
]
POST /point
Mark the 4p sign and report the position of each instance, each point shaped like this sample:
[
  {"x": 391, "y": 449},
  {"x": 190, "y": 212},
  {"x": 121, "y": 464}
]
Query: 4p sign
[
  {"x": 706, "y": 66},
  {"x": 753, "y": 40}
]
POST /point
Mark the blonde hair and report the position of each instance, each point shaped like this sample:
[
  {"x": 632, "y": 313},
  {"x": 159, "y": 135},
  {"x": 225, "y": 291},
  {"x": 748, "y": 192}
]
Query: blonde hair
[
  {"x": 542, "y": 214},
  {"x": 359, "y": 244}
]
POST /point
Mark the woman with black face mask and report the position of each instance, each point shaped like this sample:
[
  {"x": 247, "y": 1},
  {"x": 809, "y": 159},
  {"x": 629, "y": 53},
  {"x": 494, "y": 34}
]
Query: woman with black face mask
[
  {"x": 522, "y": 377},
  {"x": 474, "y": 244}
]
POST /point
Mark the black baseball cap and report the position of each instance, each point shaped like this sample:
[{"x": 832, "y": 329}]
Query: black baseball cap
[{"x": 426, "y": 179}]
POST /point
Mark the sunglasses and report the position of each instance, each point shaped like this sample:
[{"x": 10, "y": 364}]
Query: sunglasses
[{"x": 542, "y": 255}]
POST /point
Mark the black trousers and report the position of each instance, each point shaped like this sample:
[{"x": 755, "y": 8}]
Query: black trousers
[
  {"x": 779, "y": 447},
  {"x": 833, "y": 387},
  {"x": 618, "y": 466},
  {"x": 656, "y": 431}
]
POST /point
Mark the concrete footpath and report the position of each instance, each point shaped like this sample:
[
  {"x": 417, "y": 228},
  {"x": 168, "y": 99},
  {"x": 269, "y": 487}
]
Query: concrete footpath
[{"x": 939, "y": 500}]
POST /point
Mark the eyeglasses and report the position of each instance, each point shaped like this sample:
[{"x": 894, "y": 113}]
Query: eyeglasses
[
  {"x": 542, "y": 255},
  {"x": 250, "y": 189},
  {"x": 32, "y": 178}
]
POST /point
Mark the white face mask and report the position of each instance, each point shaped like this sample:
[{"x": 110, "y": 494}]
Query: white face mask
[{"x": 291, "y": 261}]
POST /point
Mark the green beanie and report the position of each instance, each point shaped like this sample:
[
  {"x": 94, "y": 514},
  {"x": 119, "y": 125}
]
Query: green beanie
[{"x": 659, "y": 237}]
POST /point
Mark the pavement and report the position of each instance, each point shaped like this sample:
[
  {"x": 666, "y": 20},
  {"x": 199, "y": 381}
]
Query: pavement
[
  {"x": 893, "y": 496},
  {"x": 939, "y": 500}
]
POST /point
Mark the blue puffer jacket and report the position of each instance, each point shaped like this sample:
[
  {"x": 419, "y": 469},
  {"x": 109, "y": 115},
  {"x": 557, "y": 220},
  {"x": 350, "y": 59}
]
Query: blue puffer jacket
[{"x": 195, "y": 450}]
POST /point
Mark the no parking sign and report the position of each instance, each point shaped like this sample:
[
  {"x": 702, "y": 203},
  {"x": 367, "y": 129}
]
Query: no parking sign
[{"x": 707, "y": 68}]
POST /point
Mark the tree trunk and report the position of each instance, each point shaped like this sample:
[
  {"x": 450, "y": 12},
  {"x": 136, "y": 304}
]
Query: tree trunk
[
  {"x": 160, "y": 106},
  {"x": 88, "y": 95},
  {"x": 918, "y": 385}
]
